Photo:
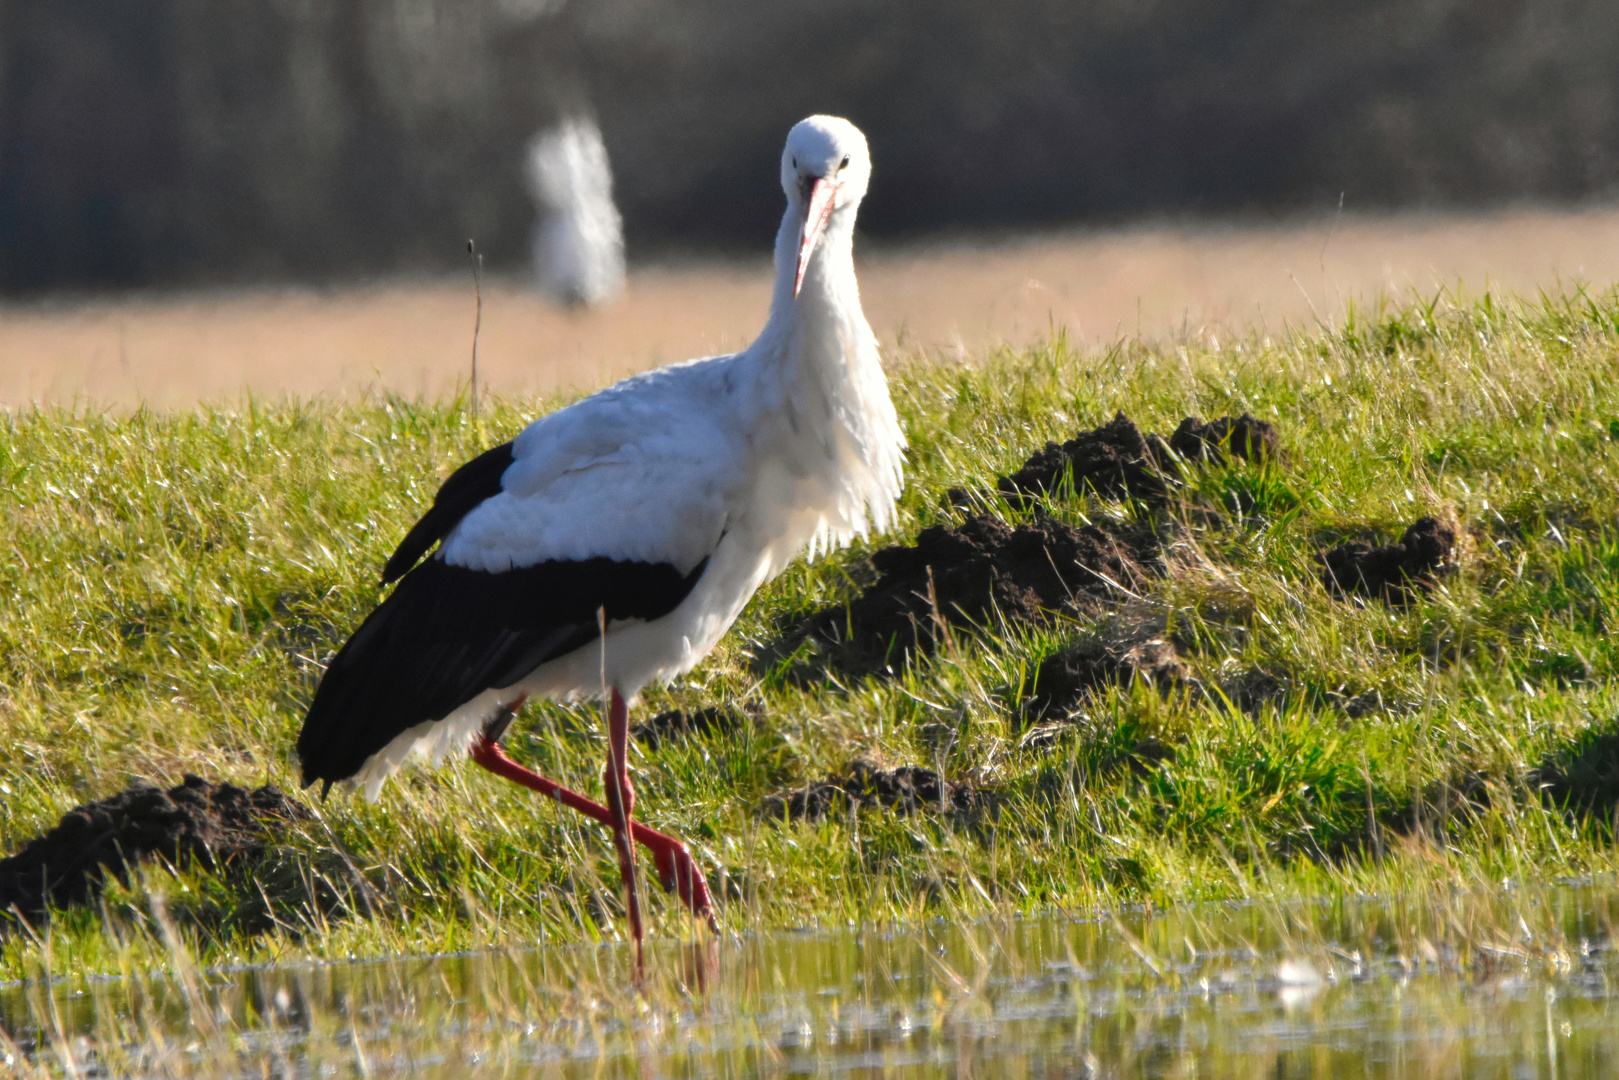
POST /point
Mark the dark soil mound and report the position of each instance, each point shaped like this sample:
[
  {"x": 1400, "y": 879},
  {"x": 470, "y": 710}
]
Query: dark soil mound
[
  {"x": 1250, "y": 691},
  {"x": 904, "y": 790},
  {"x": 1242, "y": 436},
  {"x": 1445, "y": 806},
  {"x": 677, "y": 724},
  {"x": 1143, "y": 757},
  {"x": 213, "y": 824},
  {"x": 1584, "y": 778},
  {"x": 1441, "y": 811},
  {"x": 1116, "y": 460},
  {"x": 1395, "y": 572},
  {"x": 1065, "y": 678},
  {"x": 961, "y": 576}
]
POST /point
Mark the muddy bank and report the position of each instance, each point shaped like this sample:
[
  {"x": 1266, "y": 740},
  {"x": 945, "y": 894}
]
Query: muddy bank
[
  {"x": 905, "y": 790},
  {"x": 1395, "y": 573},
  {"x": 196, "y": 822}
]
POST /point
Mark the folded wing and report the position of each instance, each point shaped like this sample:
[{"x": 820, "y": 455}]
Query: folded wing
[
  {"x": 447, "y": 634},
  {"x": 585, "y": 511}
]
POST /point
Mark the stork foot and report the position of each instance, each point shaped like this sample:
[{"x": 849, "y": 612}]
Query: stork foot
[{"x": 678, "y": 872}]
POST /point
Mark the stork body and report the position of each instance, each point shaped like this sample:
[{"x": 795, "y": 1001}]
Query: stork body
[{"x": 654, "y": 508}]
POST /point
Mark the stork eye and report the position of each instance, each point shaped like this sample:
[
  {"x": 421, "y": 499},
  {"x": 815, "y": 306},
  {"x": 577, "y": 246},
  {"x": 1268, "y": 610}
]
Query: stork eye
[
  {"x": 845, "y": 163},
  {"x": 795, "y": 163}
]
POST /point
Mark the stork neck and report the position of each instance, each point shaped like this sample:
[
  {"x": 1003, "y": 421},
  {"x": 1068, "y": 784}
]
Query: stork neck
[{"x": 829, "y": 291}]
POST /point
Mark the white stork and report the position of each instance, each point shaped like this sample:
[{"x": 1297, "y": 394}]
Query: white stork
[
  {"x": 578, "y": 244},
  {"x": 654, "y": 509}
]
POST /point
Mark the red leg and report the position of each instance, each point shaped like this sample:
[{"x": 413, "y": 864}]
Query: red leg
[
  {"x": 678, "y": 872},
  {"x": 621, "y": 801}
]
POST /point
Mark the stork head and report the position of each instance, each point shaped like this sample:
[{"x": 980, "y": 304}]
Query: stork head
[{"x": 824, "y": 171}]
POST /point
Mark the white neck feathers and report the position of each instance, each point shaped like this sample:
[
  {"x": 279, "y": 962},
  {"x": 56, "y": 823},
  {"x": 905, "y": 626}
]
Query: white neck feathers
[{"x": 846, "y": 442}]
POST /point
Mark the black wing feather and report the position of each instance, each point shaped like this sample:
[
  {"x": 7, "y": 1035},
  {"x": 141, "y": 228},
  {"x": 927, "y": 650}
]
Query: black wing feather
[
  {"x": 448, "y": 633},
  {"x": 471, "y": 484}
]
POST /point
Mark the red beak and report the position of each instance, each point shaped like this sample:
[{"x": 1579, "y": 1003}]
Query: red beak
[{"x": 822, "y": 197}]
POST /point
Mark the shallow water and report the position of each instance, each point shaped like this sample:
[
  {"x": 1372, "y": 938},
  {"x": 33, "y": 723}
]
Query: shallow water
[{"x": 1237, "y": 991}]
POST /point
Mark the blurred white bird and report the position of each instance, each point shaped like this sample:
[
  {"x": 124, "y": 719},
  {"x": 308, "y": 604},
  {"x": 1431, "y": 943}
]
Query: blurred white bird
[{"x": 579, "y": 241}]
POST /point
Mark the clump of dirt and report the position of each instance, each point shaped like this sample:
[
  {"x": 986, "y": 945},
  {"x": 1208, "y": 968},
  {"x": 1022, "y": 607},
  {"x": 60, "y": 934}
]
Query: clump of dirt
[
  {"x": 1144, "y": 757},
  {"x": 677, "y": 724},
  {"x": 1394, "y": 573},
  {"x": 1440, "y": 811},
  {"x": 1137, "y": 644},
  {"x": 1116, "y": 460},
  {"x": 1064, "y": 679},
  {"x": 1243, "y": 436},
  {"x": 1253, "y": 689},
  {"x": 958, "y": 577},
  {"x": 904, "y": 790},
  {"x": 1584, "y": 778},
  {"x": 1110, "y": 756},
  {"x": 1374, "y": 702},
  {"x": 210, "y": 824},
  {"x": 961, "y": 576},
  {"x": 1445, "y": 804}
]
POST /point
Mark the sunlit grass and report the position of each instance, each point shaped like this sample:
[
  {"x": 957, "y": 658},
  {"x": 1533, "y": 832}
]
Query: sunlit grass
[{"x": 172, "y": 582}]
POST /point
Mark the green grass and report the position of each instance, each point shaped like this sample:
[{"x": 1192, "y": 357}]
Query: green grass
[{"x": 171, "y": 581}]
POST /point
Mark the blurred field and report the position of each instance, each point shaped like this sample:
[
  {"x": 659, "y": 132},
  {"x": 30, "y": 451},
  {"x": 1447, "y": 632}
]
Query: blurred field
[{"x": 1161, "y": 281}]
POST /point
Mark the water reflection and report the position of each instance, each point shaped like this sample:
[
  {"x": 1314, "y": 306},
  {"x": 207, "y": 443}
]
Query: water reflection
[{"x": 1230, "y": 991}]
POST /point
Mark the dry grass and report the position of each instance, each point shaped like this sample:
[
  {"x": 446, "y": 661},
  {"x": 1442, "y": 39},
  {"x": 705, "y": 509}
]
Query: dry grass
[{"x": 1187, "y": 282}]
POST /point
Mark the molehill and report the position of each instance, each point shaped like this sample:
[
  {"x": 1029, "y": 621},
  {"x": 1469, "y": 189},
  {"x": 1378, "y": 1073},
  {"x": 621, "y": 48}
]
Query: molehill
[
  {"x": 1394, "y": 573},
  {"x": 212, "y": 825},
  {"x": 960, "y": 577},
  {"x": 904, "y": 790}
]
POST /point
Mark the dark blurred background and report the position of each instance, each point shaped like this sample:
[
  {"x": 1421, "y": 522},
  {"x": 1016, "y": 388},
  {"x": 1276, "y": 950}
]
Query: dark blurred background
[{"x": 189, "y": 141}]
